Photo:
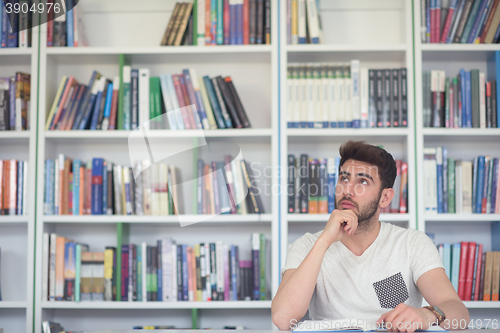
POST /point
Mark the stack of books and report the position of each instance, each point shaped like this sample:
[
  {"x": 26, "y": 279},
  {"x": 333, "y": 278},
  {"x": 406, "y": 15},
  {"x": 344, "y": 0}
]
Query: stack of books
[
  {"x": 212, "y": 22},
  {"x": 474, "y": 274},
  {"x": 345, "y": 95},
  {"x": 15, "y": 27},
  {"x": 464, "y": 21},
  {"x": 13, "y": 187},
  {"x": 165, "y": 272},
  {"x": 65, "y": 26},
  {"x": 15, "y": 92},
  {"x": 303, "y": 22},
  {"x": 463, "y": 101},
  {"x": 457, "y": 186},
  {"x": 312, "y": 183},
  {"x": 177, "y": 102}
]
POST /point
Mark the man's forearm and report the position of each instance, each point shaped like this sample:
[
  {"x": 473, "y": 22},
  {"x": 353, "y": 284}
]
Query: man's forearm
[
  {"x": 293, "y": 296},
  {"x": 457, "y": 315}
]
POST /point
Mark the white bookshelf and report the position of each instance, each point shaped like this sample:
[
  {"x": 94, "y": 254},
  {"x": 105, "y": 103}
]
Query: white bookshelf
[
  {"x": 384, "y": 43},
  {"x": 135, "y": 31},
  {"x": 17, "y": 232},
  {"x": 464, "y": 143}
]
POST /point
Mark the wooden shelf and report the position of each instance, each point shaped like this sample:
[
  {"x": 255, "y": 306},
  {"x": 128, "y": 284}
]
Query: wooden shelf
[
  {"x": 226, "y": 49},
  {"x": 12, "y": 305},
  {"x": 169, "y": 219},
  {"x": 465, "y": 218},
  {"x": 158, "y": 305}
]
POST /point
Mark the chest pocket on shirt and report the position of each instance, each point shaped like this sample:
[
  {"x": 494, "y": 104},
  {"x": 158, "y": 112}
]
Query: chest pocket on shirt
[{"x": 391, "y": 291}]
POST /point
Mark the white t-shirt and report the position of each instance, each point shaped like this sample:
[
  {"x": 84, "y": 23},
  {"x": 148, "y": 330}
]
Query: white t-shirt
[{"x": 369, "y": 285}]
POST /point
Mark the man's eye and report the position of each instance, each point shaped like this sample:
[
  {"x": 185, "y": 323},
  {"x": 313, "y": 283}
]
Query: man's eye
[
  {"x": 343, "y": 179},
  {"x": 364, "y": 182}
]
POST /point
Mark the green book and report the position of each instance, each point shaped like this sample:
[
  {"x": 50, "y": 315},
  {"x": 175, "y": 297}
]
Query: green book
[
  {"x": 122, "y": 232},
  {"x": 470, "y": 21},
  {"x": 262, "y": 263},
  {"x": 451, "y": 185},
  {"x": 78, "y": 265},
  {"x": 447, "y": 102},
  {"x": 474, "y": 92},
  {"x": 126, "y": 73}
]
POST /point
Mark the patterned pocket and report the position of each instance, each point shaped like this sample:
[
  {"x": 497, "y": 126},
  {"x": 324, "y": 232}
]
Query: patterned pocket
[{"x": 391, "y": 291}]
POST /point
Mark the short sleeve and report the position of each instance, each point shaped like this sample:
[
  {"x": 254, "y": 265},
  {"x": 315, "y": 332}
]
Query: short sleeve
[
  {"x": 424, "y": 255},
  {"x": 297, "y": 251}
]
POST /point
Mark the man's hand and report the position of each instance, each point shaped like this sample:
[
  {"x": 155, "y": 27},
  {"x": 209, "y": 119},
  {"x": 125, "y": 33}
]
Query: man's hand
[
  {"x": 405, "y": 318},
  {"x": 341, "y": 222}
]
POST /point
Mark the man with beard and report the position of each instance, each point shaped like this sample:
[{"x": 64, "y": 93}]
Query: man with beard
[{"x": 358, "y": 267}]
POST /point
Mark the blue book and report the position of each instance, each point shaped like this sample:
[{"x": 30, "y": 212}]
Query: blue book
[
  {"x": 332, "y": 175},
  {"x": 497, "y": 35},
  {"x": 51, "y": 168},
  {"x": 464, "y": 98},
  {"x": 455, "y": 265},
  {"x": 1, "y": 20},
  {"x": 69, "y": 24},
  {"x": 105, "y": 188},
  {"x": 481, "y": 14},
  {"x": 474, "y": 184},
  {"x": 234, "y": 280},
  {"x": 109, "y": 100},
  {"x": 447, "y": 259},
  {"x": 475, "y": 272},
  {"x": 86, "y": 100},
  {"x": 256, "y": 275},
  {"x": 428, "y": 8},
  {"x": 192, "y": 100},
  {"x": 4, "y": 28},
  {"x": 76, "y": 187},
  {"x": 159, "y": 272},
  {"x": 13, "y": 34},
  {"x": 19, "y": 205},
  {"x": 97, "y": 171},
  {"x": 195, "y": 98},
  {"x": 214, "y": 102},
  {"x": 468, "y": 99},
  {"x": 46, "y": 209},
  {"x": 239, "y": 24},
  {"x": 480, "y": 183},
  {"x": 458, "y": 10},
  {"x": 232, "y": 25},
  {"x": 445, "y": 179},
  {"x": 97, "y": 104},
  {"x": 497, "y": 68},
  {"x": 494, "y": 185},
  {"x": 180, "y": 273},
  {"x": 185, "y": 282}
]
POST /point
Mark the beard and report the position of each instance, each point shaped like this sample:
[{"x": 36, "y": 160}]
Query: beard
[{"x": 364, "y": 215}]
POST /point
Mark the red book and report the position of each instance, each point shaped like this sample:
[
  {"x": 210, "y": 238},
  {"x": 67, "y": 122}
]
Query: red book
[
  {"x": 478, "y": 272},
  {"x": 447, "y": 24},
  {"x": 50, "y": 24},
  {"x": 208, "y": 22},
  {"x": 114, "y": 105},
  {"x": 182, "y": 102},
  {"x": 88, "y": 190},
  {"x": 462, "y": 273},
  {"x": 65, "y": 96},
  {"x": 10, "y": 187},
  {"x": 1, "y": 187},
  {"x": 437, "y": 25},
  {"x": 246, "y": 22},
  {"x": 226, "y": 17},
  {"x": 187, "y": 102},
  {"x": 469, "y": 277},
  {"x": 433, "y": 24},
  {"x": 403, "y": 194}
]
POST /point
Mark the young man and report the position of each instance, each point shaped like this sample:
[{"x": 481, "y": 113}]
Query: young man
[{"x": 361, "y": 268}]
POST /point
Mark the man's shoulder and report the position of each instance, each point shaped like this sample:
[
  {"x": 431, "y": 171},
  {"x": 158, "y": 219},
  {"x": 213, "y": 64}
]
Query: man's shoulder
[
  {"x": 394, "y": 231},
  {"x": 307, "y": 240}
]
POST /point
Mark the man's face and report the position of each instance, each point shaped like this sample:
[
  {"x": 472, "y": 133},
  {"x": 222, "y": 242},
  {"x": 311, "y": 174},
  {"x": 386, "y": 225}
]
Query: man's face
[{"x": 359, "y": 190}]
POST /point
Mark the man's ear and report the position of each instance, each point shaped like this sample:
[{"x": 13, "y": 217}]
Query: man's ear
[{"x": 386, "y": 197}]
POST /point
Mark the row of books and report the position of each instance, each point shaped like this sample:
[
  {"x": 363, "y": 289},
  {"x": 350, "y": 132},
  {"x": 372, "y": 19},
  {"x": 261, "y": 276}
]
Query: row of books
[
  {"x": 100, "y": 187},
  {"x": 346, "y": 96},
  {"x": 464, "y": 21},
  {"x": 217, "y": 22},
  {"x": 466, "y": 100},
  {"x": 20, "y": 17},
  {"x": 227, "y": 187},
  {"x": 53, "y": 327},
  {"x": 165, "y": 272},
  {"x": 303, "y": 22},
  {"x": 67, "y": 29},
  {"x": 178, "y": 102},
  {"x": 13, "y": 187},
  {"x": 15, "y": 95},
  {"x": 312, "y": 185},
  {"x": 457, "y": 186},
  {"x": 474, "y": 274}
]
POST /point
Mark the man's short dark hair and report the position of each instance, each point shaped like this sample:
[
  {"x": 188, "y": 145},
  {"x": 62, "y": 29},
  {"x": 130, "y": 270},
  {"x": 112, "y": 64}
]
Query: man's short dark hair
[{"x": 364, "y": 152}]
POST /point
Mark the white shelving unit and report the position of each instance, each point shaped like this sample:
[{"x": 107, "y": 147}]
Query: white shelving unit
[
  {"x": 135, "y": 31},
  {"x": 464, "y": 143},
  {"x": 387, "y": 43},
  {"x": 17, "y": 232}
]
